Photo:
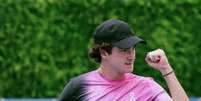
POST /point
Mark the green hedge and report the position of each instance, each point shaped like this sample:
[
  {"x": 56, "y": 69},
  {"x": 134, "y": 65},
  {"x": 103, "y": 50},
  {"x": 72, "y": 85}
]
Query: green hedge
[{"x": 43, "y": 43}]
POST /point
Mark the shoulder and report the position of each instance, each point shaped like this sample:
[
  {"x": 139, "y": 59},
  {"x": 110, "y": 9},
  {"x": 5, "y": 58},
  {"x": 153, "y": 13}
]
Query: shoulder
[
  {"x": 146, "y": 85},
  {"x": 146, "y": 82},
  {"x": 139, "y": 78},
  {"x": 83, "y": 78},
  {"x": 77, "y": 81},
  {"x": 74, "y": 88}
]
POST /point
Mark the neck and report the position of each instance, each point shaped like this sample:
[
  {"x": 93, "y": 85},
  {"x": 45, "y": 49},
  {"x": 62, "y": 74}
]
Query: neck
[{"x": 110, "y": 73}]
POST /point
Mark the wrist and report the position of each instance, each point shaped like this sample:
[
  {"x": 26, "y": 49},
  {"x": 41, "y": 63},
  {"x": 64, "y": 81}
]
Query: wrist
[
  {"x": 169, "y": 73},
  {"x": 166, "y": 70}
]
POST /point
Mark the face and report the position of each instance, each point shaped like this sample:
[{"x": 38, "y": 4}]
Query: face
[{"x": 121, "y": 60}]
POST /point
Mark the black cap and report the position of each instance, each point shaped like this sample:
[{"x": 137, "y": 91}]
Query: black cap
[{"x": 117, "y": 33}]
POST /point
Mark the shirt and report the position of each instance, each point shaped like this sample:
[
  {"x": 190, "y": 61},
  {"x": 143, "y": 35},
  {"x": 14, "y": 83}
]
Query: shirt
[{"x": 93, "y": 86}]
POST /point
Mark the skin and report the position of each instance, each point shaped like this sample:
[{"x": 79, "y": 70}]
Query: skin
[
  {"x": 158, "y": 60},
  {"x": 113, "y": 66}
]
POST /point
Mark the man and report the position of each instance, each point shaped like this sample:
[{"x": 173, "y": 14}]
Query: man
[{"x": 114, "y": 48}]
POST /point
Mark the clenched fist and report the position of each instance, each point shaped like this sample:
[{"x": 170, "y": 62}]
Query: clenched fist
[{"x": 158, "y": 60}]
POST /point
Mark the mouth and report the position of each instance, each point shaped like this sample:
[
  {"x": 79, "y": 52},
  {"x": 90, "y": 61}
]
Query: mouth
[{"x": 129, "y": 63}]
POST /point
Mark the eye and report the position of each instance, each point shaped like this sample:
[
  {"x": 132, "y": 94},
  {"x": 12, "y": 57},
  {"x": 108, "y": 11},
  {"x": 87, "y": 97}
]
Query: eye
[
  {"x": 124, "y": 50},
  {"x": 127, "y": 50}
]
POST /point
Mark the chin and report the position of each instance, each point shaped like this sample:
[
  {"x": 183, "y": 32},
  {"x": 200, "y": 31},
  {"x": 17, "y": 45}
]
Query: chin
[{"x": 130, "y": 70}]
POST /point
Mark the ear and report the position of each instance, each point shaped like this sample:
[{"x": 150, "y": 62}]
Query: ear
[{"x": 103, "y": 54}]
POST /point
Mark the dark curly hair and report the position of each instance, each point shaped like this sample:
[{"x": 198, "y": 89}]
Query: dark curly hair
[{"x": 95, "y": 51}]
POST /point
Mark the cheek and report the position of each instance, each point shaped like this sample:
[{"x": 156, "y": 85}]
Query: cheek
[{"x": 117, "y": 59}]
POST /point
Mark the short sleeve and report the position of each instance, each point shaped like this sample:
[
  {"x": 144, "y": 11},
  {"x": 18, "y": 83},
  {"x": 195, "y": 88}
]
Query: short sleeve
[
  {"x": 67, "y": 92},
  {"x": 72, "y": 90},
  {"x": 163, "y": 97},
  {"x": 156, "y": 89}
]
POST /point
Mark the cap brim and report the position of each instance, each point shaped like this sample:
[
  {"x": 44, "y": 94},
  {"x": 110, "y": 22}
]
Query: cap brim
[{"x": 129, "y": 42}]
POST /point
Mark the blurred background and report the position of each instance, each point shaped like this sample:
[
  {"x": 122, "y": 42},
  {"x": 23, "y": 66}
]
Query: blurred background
[{"x": 44, "y": 43}]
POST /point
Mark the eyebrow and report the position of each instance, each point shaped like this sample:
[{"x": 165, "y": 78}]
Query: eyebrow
[
  {"x": 127, "y": 48},
  {"x": 124, "y": 49}
]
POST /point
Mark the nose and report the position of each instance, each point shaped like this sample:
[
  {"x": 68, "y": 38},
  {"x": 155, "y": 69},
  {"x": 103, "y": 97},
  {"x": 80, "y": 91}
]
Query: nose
[{"x": 131, "y": 55}]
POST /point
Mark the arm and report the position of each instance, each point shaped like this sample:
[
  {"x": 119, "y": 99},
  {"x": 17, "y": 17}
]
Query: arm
[
  {"x": 67, "y": 92},
  {"x": 158, "y": 60},
  {"x": 175, "y": 88},
  {"x": 73, "y": 90}
]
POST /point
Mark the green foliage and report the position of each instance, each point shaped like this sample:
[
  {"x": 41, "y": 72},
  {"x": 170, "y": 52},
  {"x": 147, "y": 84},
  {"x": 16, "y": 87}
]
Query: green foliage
[{"x": 44, "y": 43}]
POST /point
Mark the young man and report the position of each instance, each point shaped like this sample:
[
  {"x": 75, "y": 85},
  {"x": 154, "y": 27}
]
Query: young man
[{"x": 114, "y": 48}]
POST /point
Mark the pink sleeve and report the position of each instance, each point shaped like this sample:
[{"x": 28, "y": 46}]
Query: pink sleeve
[
  {"x": 163, "y": 97},
  {"x": 158, "y": 92}
]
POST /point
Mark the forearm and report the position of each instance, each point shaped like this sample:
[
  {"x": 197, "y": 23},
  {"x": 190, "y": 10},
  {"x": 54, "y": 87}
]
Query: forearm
[
  {"x": 158, "y": 60},
  {"x": 175, "y": 88}
]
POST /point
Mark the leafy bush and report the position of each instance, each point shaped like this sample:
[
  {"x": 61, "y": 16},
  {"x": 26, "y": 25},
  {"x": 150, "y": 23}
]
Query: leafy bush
[{"x": 45, "y": 42}]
